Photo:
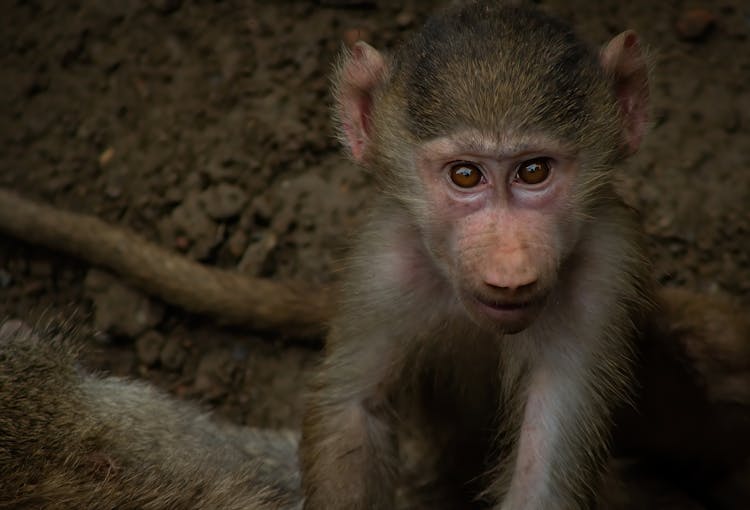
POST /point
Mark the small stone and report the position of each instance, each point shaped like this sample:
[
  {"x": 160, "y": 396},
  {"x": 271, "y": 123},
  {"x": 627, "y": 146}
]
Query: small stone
[
  {"x": 173, "y": 195},
  {"x": 262, "y": 212},
  {"x": 189, "y": 221},
  {"x": 173, "y": 354},
  {"x": 694, "y": 24},
  {"x": 405, "y": 19},
  {"x": 223, "y": 201},
  {"x": 120, "y": 310},
  {"x": 58, "y": 184},
  {"x": 106, "y": 156},
  {"x": 237, "y": 243},
  {"x": 182, "y": 243},
  {"x": 142, "y": 88},
  {"x": 255, "y": 258},
  {"x": 149, "y": 346},
  {"x": 214, "y": 374},
  {"x": 112, "y": 190}
]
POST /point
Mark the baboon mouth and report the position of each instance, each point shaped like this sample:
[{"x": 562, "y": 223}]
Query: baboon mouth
[
  {"x": 506, "y": 305},
  {"x": 513, "y": 315}
]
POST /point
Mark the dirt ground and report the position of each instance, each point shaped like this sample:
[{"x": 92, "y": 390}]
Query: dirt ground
[{"x": 203, "y": 125}]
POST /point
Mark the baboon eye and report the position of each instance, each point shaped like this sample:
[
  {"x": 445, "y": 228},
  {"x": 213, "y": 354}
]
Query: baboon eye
[
  {"x": 465, "y": 175},
  {"x": 533, "y": 171}
]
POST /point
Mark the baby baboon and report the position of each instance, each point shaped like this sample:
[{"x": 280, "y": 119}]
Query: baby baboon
[{"x": 493, "y": 297}]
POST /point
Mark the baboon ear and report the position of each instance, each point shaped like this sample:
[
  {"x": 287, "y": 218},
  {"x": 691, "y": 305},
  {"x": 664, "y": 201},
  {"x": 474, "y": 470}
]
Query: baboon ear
[
  {"x": 626, "y": 64},
  {"x": 361, "y": 71}
]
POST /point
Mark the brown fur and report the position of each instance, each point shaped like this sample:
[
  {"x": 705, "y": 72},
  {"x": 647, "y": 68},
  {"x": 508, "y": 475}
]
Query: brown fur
[
  {"x": 407, "y": 357},
  {"x": 73, "y": 440}
]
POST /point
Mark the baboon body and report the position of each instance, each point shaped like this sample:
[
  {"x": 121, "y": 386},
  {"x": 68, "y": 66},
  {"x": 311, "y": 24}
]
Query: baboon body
[
  {"x": 493, "y": 298},
  {"x": 69, "y": 439}
]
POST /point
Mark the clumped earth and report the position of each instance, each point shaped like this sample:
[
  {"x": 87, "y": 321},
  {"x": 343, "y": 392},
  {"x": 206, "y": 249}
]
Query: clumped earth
[{"x": 205, "y": 127}]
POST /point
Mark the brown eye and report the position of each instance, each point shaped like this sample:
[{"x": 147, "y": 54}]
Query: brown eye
[
  {"x": 533, "y": 171},
  {"x": 466, "y": 175}
]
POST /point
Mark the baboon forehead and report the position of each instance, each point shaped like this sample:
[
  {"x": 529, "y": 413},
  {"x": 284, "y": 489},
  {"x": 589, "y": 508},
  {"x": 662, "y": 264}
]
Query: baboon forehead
[{"x": 487, "y": 65}]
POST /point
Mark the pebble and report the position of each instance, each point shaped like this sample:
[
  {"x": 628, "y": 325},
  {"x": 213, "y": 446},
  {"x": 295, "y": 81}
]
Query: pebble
[
  {"x": 148, "y": 347},
  {"x": 237, "y": 243},
  {"x": 223, "y": 201},
  {"x": 257, "y": 254},
  {"x": 694, "y": 24},
  {"x": 214, "y": 374},
  {"x": 190, "y": 226},
  {"x": 173, "y": 354},
  {"x": 405, "y": 19},
  {"x": 262, "y": 212},
  {"x": 106, "y": 156},
  {"x": 120, "y": 310}
]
